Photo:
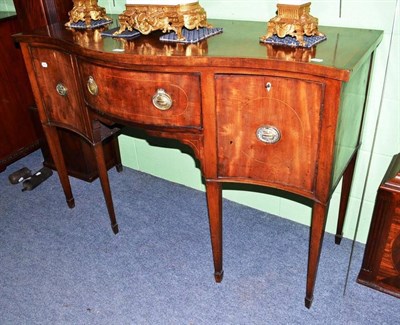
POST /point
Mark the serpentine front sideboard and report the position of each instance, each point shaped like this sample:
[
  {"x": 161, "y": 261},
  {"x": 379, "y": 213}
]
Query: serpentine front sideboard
[{"x": 280, "y": 117}]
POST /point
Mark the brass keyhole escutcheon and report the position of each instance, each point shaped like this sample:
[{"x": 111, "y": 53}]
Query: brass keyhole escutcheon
[
  {"x": 268, "y": 134},
  {"x": 162, "y": 100},
  {"x": 61, "y": 89},
  {"x": 92, "y": 86}
]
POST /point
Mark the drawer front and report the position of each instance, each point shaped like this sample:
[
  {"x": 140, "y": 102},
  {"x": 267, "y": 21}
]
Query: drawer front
[
  {"x": 162, "y": 99},
  {"x": 269, "y": 129},
  {"x": 58, "y": 88}
]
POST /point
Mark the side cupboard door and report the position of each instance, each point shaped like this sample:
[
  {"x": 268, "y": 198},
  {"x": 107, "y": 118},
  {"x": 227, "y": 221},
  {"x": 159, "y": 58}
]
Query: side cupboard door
[
  {"x": 54, "y": 71},
  {"x": 269, "y": 130}
]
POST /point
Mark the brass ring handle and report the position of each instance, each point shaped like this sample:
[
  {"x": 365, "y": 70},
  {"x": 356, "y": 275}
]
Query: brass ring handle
[
  {"x": 61, "y": 89},
  {"x": 268, "y": 134},
  {"x": 92, "y": 86},
  {"x": 162, "y": 100}
]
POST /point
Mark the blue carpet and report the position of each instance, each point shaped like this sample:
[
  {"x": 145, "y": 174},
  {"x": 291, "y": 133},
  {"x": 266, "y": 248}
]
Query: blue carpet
[{"x": 65, "y": 266}]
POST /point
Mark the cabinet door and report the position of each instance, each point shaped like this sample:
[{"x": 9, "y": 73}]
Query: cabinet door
[
  {"x": 269, "y": 130},
  {"x": 58, "y": 89}
]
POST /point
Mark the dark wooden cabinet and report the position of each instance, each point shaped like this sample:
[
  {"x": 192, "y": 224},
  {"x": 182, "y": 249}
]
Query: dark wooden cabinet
[
  {"x": 252, "y": 113},
  {"x": 39, "y": 13},
  {"x": 380, "y": 268},
  {"x": 19, "y": 125}
]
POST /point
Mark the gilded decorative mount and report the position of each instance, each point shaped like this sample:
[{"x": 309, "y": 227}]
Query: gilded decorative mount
[
  {"x": 293, "y": 20},
  {"x": 86, "y": 11},
  {"x": 148, "y": 18}
]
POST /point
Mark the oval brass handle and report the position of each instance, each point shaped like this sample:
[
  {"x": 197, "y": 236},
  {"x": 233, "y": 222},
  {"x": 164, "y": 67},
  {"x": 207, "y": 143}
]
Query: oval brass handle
[
  {"x": 162, "y": 100},
  {"x": 92, "y": 86},
  {"x": 268, "y": 134},
  {"x": 61, "y": 89}
]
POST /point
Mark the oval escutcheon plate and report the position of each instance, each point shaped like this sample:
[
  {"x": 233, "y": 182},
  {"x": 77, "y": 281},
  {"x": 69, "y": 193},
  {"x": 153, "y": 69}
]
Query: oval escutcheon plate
[{"x": 268, "y": 134}]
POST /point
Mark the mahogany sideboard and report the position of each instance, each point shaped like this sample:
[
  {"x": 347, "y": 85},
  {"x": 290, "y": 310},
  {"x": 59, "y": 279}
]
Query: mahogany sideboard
[{"x": 280, "y": 117}]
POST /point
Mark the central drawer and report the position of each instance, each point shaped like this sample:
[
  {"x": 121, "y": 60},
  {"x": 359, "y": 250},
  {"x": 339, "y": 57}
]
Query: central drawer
[
  {"x": 269, "y": 130},
  {"x": 151, "y": 98}
]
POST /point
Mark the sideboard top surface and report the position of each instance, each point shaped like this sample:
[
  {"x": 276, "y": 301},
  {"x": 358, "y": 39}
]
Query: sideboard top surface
[{"x": 237, "y": 46}]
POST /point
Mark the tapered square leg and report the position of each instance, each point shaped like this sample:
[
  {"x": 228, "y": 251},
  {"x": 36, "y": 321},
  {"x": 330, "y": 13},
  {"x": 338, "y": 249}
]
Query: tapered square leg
[
  {"x": 105, "y": 185},
  {"x": 317, "y": 230},
  {"x": 214, "y": 203},
  {"x": 344, "y": 198},
  {"x": 53, "y": 140}
]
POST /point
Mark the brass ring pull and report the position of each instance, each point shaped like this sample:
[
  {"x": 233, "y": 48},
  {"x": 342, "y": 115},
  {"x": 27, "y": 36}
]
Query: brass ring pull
[
  {"x": 61, "y": 89},
  {"x": 268, "y": 134},
  {"x": 162, "y": 100},
  {"x": 92, "y": 86}
]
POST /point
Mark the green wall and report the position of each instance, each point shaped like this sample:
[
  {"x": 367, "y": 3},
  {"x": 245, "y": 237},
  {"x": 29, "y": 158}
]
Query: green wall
[
  {"x": 7, "y": 5},
  {"x": 174, "y": 164}
]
